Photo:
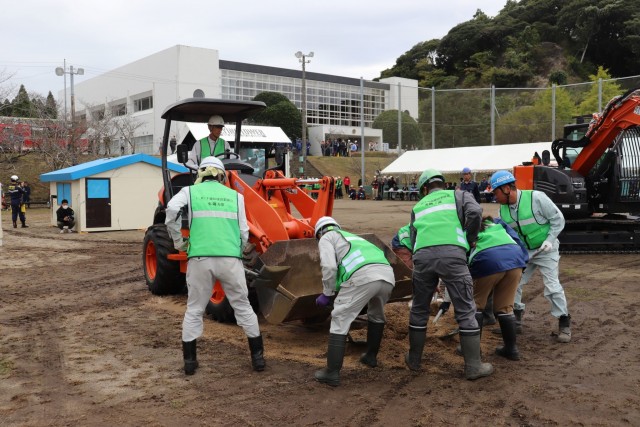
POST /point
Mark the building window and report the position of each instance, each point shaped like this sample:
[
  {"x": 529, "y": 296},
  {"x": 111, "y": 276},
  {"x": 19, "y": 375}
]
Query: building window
[
  {"x": 143, "y": 104},
  {"x": 119, "y": 110}
]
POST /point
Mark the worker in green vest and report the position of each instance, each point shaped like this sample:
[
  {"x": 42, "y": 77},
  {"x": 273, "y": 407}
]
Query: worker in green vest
[
  {"x": 538, "y": 222},
  {"x": 211, "y": 145},
  {"x": 218, "y": 232},
  {"x": 444, "y": 227},
  {"x": 358, "y": 271}
]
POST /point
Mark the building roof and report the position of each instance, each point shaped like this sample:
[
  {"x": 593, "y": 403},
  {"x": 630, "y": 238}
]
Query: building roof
[
  {"x": 487, "y": 158},
  {"x": 102, "y": 165}
]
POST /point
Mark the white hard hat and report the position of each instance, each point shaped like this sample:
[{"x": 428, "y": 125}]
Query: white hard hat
[
  {"x": 323, "y": 222},
  {"x": 215, "y": 121},
  {"x": 14, "y": 177},
  {"x": 212, "y": 161}
]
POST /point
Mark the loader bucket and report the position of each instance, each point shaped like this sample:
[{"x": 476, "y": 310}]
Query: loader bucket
[{"x": 291, "y": 279}]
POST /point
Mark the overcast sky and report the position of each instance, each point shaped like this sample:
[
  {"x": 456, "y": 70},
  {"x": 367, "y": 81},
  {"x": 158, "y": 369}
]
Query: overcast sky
[{"x": 348, "y": 38}]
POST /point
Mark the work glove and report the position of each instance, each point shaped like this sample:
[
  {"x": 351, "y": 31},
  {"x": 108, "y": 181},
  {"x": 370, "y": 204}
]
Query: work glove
[
  {"x": 546, "y": 246},
  {"x": 323, "y": 300}
]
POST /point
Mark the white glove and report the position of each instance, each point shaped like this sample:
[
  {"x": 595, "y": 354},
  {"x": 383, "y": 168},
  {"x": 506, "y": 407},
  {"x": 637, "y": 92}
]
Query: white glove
[{"x": 546, "y": 246}]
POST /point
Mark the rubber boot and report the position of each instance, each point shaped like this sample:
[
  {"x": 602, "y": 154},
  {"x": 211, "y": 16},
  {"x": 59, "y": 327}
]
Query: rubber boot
[
  {"x": 189, "y": 355},
  {"x": 15, "y": 224},
  {"x": 564, "y": 329},
  {"x": 374, "y": 338},
  {"x": 488, "y": 317},
  {"x": 508, "y": 326},
  {"x": 335, "y": 355},
  {"x": 257, "y": 353},
  {"x": 479, "y": 318},
  {"x": 518, "y": 322},
  {"x": 24, "y": 225},
  {"x": 417, "y": 338},
  {"x": 473, "y": 366}
]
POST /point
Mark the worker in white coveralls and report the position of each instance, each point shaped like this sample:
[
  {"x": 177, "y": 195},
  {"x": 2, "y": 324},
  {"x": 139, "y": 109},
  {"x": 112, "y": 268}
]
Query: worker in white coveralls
[
  {"x": 218, "y": 232},
  {"x": 538, "y": 222},
  {"x": 361, "y": 275},
  {"x": 211, "y": 145}
]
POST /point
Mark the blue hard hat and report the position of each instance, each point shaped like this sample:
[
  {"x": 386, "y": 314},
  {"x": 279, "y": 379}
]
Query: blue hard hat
[
  {"x": 466, "y": 170},
  {"x": 501, "y": 178}
]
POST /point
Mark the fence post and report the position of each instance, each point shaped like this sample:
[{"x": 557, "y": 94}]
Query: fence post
[
  {"x": 553, "y": 112},
  {"x": 492, "y": 96},
  {"x": 433, "y": 117}
]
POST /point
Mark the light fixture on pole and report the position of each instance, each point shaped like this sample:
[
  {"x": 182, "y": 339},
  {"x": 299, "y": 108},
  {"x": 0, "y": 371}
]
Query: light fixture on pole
[
  {"x": 62, "y": 71},
  {"x": 303, "y": 59}
]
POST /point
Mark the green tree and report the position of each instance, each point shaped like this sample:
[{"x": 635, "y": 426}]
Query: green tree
[
  {"x": 388, "y": 122},
  {"x": 21, "y": 104},
  {"x": 51, "y": 107},
  {"x": 609, "y": 90},
  {"x": 421, "y": 58},
  {"x": 280, "y": 112}
]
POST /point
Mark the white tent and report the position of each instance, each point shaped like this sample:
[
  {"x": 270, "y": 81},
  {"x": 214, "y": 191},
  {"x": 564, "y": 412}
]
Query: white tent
[
  {"x": 266, "y": 134},
  {"x": 487, "y": 158}
]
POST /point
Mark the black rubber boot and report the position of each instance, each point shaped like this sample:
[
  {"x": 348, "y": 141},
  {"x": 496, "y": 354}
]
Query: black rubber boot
[
  {"x": 374, "y": 338},
  {"x": 189, "y": 355},
  {"x": 15, "y": 224},
  {"x": 488, "y": 317},
  {"x": 335, "y": 355},
  {"x": 518, "y": 322},
  {"x": 508, "y": 326},
  {"x": 479, "y": 317},
  {"x": 518, "y": 315},
  {"x": 257, "y": 353},
  {"x": 564, "y": 329},
  {"x": 473, "y": 366},
  {"x": 417, "y": 338},
  {"x": 24, "y": 225}
]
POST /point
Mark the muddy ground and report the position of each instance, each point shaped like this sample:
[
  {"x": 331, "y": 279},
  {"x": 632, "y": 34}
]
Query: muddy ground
[{"x": 83, "y": 342}]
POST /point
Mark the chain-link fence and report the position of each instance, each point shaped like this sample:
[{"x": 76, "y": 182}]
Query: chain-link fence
[{"x": 451, "y": 118}]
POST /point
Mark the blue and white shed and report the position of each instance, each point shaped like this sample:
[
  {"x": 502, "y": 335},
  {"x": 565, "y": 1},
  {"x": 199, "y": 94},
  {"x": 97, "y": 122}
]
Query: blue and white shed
[{"x": 119, "y": 193}]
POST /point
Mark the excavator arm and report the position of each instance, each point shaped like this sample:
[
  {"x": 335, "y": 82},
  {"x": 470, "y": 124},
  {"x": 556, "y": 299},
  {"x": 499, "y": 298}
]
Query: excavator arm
[{"x": 619, "y": 114}]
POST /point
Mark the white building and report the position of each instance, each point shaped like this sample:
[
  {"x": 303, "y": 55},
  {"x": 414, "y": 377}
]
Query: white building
[{"x": 148, "y": 86}]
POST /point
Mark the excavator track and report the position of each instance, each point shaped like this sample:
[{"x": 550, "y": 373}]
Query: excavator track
[{"x": 611, "y": 234}]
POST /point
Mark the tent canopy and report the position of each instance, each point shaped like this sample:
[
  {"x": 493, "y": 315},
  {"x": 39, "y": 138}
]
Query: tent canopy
[
  {"x": 487, "y": 158},
  {"x": 266, "y": 134}
]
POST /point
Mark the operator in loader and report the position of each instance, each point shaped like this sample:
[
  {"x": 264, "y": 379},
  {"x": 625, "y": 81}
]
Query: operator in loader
[
  {"x": 444, "y": 227},
  {"x": 211, "y": 145},
  {"x": 361, "y": 275},
  {"x": 218, "y": 232},
  {"x": 538, "y": 222}
]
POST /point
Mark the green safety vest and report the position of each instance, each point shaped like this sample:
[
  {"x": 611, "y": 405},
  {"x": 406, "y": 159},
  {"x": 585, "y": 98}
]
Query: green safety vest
[
  {"x": 404, "y": 236},
  {"x": 492, "y": 236},
  {"x": 361, "y": 253},
  {"x": 339, "y": 183},
  {"x": 532, "y": 233},
  {"x": 215, "y": 227},
  {"x": 205, "y": 148},
  {"x": 436, "y": 221}
]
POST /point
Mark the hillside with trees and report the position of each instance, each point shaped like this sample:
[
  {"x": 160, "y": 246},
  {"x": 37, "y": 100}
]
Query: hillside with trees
[{"x": 529, "y": 43}]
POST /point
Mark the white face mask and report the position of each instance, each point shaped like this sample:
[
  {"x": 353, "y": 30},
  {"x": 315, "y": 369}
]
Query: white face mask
[{"x": 65, "y": 206}]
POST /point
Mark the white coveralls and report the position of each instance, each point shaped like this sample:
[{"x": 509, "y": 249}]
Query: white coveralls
[
  {"x": 371, "y": 284},
  {"x": 194, "y": 154},
  {"x": 202, "y": 273},
  {"x": 544, "y": 211}
]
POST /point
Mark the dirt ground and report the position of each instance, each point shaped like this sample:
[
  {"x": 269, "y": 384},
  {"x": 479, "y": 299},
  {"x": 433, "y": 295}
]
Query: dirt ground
[{"x": 83, "y": 342}]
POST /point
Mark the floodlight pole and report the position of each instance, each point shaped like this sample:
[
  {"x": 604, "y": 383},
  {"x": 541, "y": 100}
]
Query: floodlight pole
[{"x": 303, "y": 59}]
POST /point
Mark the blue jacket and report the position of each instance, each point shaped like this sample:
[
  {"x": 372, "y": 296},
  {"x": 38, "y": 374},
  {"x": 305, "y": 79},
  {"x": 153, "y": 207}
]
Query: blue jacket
[{"x": 500, "y": 258}]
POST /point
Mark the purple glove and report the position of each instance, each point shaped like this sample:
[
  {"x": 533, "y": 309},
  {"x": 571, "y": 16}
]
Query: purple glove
[{"x": 323, "y": 300}]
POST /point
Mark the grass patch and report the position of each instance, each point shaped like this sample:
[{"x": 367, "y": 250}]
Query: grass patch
[
  {"x": 583, "y": 294},
  {"x": 6, "y": 366}
]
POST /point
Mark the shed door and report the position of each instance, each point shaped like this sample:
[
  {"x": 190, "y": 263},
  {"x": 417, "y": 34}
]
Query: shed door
[{"x": 98, "y": 202}]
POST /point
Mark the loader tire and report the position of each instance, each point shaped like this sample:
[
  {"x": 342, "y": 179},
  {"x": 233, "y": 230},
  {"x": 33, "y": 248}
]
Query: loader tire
[
  {"x": 220, "y": 309},
  {"x": 162, "y": 275}
]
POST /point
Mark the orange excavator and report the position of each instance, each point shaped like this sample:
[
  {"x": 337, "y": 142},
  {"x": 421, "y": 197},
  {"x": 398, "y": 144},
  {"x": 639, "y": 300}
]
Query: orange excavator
[
  {"x": 282, "y": 262},
  {"x": 597, "y": 182}
]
